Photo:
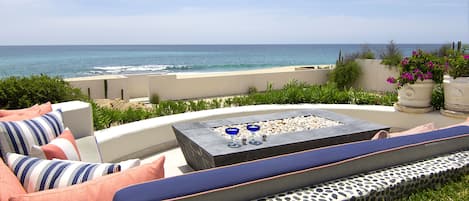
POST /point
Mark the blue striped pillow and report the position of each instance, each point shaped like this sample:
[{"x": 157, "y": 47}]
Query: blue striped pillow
[
  {"x": 20, "y": 136},
  {"x": 37, "y": 174}
]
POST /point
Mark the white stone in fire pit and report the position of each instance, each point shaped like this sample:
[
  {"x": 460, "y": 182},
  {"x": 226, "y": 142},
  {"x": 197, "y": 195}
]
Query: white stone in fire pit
[{"x": 280, "y": 126}]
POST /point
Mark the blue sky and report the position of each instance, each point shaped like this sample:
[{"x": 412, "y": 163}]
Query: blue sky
[{"x": 38, "y": 22}]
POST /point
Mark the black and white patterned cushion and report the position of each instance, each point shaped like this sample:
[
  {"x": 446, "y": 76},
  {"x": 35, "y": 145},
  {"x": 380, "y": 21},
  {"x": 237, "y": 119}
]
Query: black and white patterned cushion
[{"x": 386, "y": 184}]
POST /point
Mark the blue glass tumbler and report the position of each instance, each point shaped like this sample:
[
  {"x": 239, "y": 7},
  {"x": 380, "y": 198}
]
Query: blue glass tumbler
[
  {"x": 232, "y": 132},
  {"x": 253, "y": 129}
]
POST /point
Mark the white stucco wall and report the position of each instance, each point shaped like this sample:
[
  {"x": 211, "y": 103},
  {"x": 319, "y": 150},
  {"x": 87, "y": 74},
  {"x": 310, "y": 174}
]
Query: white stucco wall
[
  {"x": 176, "y": 87},
  {"x": 173, "y": 87},
  {"x": 137, "y": 86},
  {"x": 374, "y": 75},
  {"x": 115, "y": 83}
]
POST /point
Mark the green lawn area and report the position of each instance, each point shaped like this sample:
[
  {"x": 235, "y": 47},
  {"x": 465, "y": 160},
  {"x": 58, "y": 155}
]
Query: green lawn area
[{"x": 455, "y": 190}]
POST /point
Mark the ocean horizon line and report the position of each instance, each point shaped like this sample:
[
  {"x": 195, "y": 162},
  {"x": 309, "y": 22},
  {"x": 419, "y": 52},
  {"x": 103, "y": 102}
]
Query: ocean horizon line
[{"x": 215, "y": 44}]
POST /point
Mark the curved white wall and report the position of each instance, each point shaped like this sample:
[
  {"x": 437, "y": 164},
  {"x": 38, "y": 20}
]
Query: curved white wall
[{"x": 142, "y": 138}]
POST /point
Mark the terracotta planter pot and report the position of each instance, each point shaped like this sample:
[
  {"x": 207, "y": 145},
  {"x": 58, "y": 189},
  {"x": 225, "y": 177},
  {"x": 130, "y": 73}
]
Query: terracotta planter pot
[
  {"x": 417, "y": 95},
  {"x": 456, "y": 94}
]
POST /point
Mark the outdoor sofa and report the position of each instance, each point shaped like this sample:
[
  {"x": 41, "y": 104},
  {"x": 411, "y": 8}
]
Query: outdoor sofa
[
  {"x": 268, "y": 176},
  {"x": 255, "y": 179}
]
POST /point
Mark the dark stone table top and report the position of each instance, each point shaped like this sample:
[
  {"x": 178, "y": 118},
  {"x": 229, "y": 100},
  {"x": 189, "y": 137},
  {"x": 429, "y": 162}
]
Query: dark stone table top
[{"x": 199, "y": 140}]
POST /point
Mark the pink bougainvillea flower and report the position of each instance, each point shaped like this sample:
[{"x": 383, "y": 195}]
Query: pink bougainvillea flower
[
  {"x": 420, "y": 76},
  {"x": 430, "y": 64},
  {"x": 407, "y": 76},
  {"x": 428, "y": 75},
  {"x": 414, "y": 53},
  {"x": 466, "y": 56},
  {"x": 391, "y": 80},
  {"x": 405, "y": 61}
]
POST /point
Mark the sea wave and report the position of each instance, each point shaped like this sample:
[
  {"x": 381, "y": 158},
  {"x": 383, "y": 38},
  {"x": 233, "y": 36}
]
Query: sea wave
[
  {"x": 127, "y": 69},
  {"x": 167, "y": 68}
]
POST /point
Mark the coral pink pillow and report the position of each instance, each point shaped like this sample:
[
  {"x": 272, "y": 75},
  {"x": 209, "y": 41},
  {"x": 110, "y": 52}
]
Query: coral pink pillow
[
  {"x": 4, "y": 113},
  {"x": 45, "y": 108},
  {"x": 417, "y": 130},
  {"x": 9, "y": 184},
  {"x": 26, "y": 113},
  {"x": 63, "y": 147},
  {"x": 102, "y": 188},
  {"x": 20, "y": 117}
]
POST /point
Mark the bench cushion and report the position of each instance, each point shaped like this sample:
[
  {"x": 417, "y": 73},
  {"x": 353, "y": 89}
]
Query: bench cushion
[
  {"x": 384, "y": 184},
  {"x": 227, "y": 176}
]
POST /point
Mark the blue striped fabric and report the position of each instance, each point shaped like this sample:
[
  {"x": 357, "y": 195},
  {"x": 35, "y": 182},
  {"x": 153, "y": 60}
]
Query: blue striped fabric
[
  {"x": 20, "y": 136},
  {"x": 37, "y": 174}
]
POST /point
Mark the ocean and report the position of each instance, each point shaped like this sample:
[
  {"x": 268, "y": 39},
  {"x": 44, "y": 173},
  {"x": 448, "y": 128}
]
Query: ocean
[{"x": 88, "y": 60}]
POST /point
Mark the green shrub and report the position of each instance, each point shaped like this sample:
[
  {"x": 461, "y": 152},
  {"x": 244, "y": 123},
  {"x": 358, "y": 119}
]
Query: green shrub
[
  {"x": 228, "y": 102},
  {"x": 192, "y": 106},
  {"x": 216, "y": 103},
  {"x": 105, "y": 117},
  {"x": 392, "y": 55},
  {"x": 170, "y": 107},
  {"x": 154, "y": 99},
  {"x": 438, "y": 97},
  {"x": 292, "y": 93},
  {"x": 366, "y": 53},
  {"x": 269, "y": 86},
  {"x": 131, "y": 115},
  {"x": 444, "y": 50},
  {"x": 345, "y": 74},
  {"x": 239, "y": 101},
  {"x": 252, "y": 90},
  {"x": 202, "y": 105},
  {"x": 21, "y": 92},
  {"x": 458, "y": 65}
]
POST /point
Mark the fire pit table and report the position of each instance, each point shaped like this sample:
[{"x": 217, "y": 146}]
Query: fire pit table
[{"x": 204, "y": 144}]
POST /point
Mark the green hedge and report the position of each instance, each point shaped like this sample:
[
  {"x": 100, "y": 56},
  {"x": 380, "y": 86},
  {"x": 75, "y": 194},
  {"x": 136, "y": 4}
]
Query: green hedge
[
  {"x": 21, "y": 92},
  {"x": 292, "y": 93},
  {"x": 345, "y": 73}
]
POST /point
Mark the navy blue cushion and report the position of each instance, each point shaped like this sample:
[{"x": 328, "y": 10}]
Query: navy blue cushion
[{"x": 231, "y": 175}]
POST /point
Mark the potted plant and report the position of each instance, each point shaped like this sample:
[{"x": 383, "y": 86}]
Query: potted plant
[
  {"x": 456, "y": 85},
  {"x": 417, "y": 77}
]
